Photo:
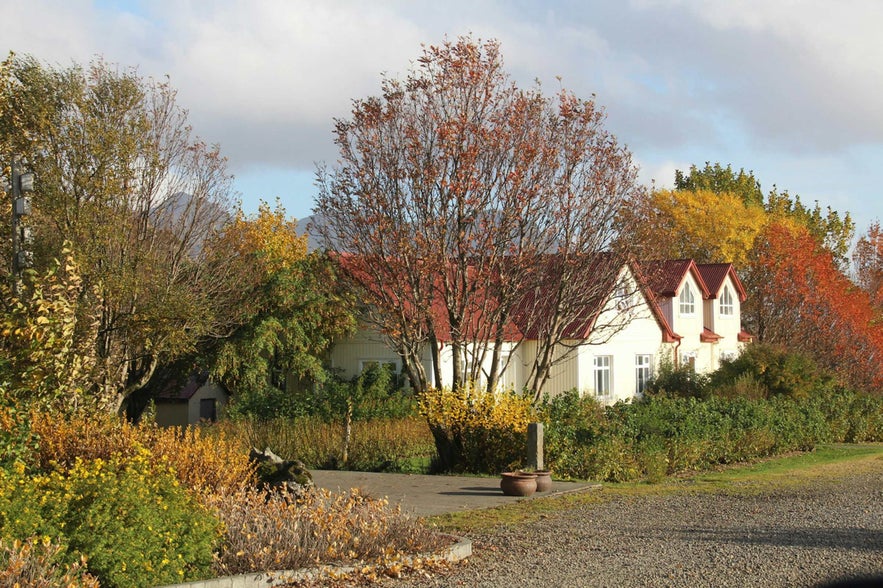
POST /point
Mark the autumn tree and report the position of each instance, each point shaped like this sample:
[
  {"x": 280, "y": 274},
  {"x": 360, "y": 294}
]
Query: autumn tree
[
  {"x": 293, "y": 309},
  {"x": 867, "y": 259},
  {"x": 122, "y": 179},
  {"x": 803, "y": 301},
  {"x": 832, "y": 230},
  {"x": 453, "y": 191},
  {"x": 701, "y": 224}
]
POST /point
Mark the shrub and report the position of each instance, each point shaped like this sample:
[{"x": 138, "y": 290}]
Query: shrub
[
  {"x": 204, "y": 458},
  {"x": 129, "y": 517},
  {"x": 18, "y": 441},
  {"x": 477, "y": 431},
  {"x": 275, "y": 531},
  {"x": 376, "y": 445},
  {"x": 36, "y": 563},
  {"x": 677, "y": 382},
  {"x": 769, "y": 370}
]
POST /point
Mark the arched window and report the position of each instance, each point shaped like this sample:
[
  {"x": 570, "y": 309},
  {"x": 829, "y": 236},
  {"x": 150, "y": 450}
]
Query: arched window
[
  {"x": 687, "y": 301},
  {"x": 727, "y": 302}
]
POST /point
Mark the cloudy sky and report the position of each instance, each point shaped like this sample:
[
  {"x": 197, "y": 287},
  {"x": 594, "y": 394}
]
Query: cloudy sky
[{"x": 791, "y": 89}]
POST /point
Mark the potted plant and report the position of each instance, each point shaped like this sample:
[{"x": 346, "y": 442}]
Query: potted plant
[{"x": 518, "y": 483}]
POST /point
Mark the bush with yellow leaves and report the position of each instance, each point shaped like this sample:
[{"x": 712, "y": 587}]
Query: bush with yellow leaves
[
  {"x": 129, "y": 517},
  {"x": 204, "y": 460},
  {"x": 477, "y": 431}
]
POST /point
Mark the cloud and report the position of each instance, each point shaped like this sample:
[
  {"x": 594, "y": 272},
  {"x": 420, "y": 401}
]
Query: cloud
[{"x": 754, "y": 83}]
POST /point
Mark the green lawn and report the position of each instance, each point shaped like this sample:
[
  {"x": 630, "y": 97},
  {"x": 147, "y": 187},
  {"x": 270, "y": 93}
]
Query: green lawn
[{"x": 828, "y": 464}]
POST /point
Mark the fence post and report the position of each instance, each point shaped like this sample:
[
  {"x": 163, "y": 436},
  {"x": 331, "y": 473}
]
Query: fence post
[{"x": 535, "y": 446}]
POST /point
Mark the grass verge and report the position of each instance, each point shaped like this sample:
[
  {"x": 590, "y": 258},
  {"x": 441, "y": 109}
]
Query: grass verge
[{"x": 828, "y": 464}]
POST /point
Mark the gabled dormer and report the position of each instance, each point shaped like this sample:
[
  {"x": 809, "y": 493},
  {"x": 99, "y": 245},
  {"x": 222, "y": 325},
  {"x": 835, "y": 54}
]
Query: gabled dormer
[{"x": 681, "y": 293}]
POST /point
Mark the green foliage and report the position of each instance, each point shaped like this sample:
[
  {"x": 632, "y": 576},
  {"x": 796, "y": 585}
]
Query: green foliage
[
  {"x": 130, "y": 518},
  {"x": 719, "y": 180},
  {"x": 768, "y": 370},
  {"x": 293, "y": 310},
  {"x": 477, "y": 431},
  {"x": 664, "y": 435},
  {"x": 677, "y": 381},
  {"x": 373, "y": 394}
]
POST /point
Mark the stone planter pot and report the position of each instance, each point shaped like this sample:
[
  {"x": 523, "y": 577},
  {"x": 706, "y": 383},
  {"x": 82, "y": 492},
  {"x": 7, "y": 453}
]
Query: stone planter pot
[
  {"x": 544, "y": 480},
  {"x": 518, "y": 484}
]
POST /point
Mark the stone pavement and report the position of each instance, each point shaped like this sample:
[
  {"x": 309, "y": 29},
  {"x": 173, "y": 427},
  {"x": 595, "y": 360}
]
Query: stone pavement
[{"x": 433, "y": 495}]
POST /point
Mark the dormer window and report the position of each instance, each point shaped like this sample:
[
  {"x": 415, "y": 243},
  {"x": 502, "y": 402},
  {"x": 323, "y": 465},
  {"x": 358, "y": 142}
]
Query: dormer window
[
  {"x": 686, "y": 300},
  {"x": 727, "y": 302}
]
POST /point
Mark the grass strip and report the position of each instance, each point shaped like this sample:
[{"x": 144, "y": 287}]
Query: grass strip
[{"x": 828, "y": 464}]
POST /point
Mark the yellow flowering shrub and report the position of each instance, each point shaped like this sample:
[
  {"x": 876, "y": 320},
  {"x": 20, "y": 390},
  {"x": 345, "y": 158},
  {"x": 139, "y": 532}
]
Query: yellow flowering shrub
[
  {"x": 477, "y": 431},
  {"x": 129, "y": 517}
]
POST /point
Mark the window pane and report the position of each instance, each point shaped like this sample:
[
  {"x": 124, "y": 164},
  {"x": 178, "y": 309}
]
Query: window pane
[
  {"x": 602, "y": 375},
  {"x": 642, "y": 372}
]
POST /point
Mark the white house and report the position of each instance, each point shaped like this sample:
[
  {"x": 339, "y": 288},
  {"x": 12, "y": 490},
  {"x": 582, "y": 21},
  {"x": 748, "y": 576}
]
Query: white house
[{"x": 681, "y": 311}]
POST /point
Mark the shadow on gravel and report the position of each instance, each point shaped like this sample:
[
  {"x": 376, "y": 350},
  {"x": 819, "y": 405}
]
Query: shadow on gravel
[{"x": 849, "y": 538}]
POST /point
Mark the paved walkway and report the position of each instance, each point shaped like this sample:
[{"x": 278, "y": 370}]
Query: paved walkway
[{"x": 432, "y": 495}]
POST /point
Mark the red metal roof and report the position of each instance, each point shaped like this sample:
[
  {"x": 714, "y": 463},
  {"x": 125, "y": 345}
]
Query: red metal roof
[
  {"x": 715, "y": 274},
  {"x": 665, "y": 277}
]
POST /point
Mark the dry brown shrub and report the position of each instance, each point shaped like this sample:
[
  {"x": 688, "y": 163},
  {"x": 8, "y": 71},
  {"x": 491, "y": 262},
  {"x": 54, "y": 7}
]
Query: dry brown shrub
[
  {"x": 34, "y": 563},
  {"x": 276, "y": 531}
]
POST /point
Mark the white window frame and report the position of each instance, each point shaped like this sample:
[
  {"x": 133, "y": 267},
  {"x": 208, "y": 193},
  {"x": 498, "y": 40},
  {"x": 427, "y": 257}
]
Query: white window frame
[
  {"x": 728, "y": 355},
  {"x": 727, "y": 307},
  {"x": 643, "y": 371},
  {"x": 686, "y": 301},
  {"x": 601, "y": 374},
  {"x": 688, "y": 359}
]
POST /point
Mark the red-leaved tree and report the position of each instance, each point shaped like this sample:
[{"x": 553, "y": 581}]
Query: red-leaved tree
[
  {"x": 452, "y": 190},
  {"x": 809, "y": 305}
]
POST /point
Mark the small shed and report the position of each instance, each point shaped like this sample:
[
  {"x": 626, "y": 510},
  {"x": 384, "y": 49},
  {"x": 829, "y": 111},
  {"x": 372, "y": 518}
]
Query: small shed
[{"x": 196, "y": 400}]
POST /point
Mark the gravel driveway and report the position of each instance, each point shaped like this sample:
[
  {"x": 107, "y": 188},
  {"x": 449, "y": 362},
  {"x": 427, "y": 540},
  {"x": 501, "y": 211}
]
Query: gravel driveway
[{"x": 807, "y": 536}]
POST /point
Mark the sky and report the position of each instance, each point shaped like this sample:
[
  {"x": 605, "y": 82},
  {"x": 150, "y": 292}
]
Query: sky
[{"x": 789, "y": 89}]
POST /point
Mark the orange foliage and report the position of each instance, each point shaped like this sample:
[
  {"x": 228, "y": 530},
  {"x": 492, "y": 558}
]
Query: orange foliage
[
  {"x": 808, "y": 304},
  {"x": 202, "y": 462}
]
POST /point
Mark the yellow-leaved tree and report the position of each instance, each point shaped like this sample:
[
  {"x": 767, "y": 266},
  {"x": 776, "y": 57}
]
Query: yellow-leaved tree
[
  {"x": 700, "y": 224},
  {"x": 44, "y": 337}
]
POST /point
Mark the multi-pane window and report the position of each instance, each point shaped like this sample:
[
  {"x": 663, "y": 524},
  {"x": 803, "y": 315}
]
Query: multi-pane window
[
  {"x": 602, "y": 375},
  {"x": 642, "y": 372},
  {"x": 688, "y": 360},
  {"x": 727, "y": 302},
  {"x": 687, "y": 301}
]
